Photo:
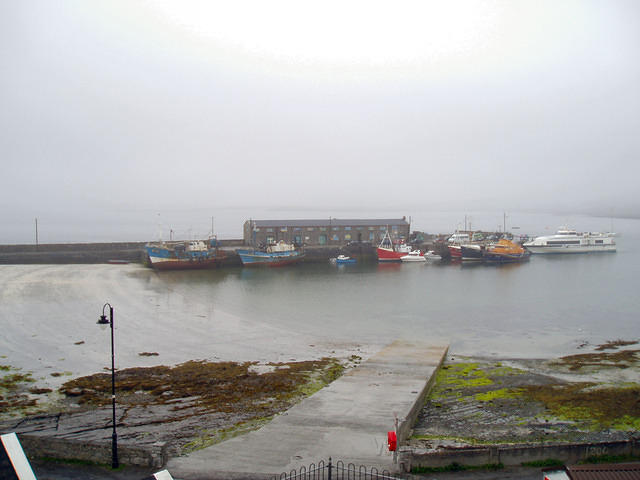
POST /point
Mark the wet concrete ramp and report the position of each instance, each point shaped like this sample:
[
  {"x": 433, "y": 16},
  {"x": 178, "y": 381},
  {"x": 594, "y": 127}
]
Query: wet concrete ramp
[{"x": 347, "y": 420}]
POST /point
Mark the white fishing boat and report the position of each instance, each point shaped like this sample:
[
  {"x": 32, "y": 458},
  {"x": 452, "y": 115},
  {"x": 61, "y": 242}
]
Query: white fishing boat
[
  {"x": 413, "y": 256},
  {"x": 570, "y": 241}
]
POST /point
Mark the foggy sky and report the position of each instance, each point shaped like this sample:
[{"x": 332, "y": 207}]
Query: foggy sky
[{"x": 152, "y": 105}]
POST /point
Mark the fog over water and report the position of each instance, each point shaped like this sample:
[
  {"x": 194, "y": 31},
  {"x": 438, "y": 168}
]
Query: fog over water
[{"x": 117, "y": 116}]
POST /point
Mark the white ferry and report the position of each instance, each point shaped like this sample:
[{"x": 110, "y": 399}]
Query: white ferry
[{"x": 570, "y": 241}]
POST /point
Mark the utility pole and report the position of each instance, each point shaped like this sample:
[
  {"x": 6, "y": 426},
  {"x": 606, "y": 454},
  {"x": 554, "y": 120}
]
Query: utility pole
[{"x": 36, "y": 233}]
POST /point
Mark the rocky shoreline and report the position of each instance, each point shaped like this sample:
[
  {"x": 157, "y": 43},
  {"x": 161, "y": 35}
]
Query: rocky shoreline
[
  {"x": 478, "y": 406},
  {"x": 161, "y": 411}
]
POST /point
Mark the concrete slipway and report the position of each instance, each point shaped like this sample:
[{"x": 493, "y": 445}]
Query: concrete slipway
[{"x": 348, "y": 421}]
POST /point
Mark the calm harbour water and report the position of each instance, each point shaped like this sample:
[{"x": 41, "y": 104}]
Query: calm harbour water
[{"x": 547, "y": 307}]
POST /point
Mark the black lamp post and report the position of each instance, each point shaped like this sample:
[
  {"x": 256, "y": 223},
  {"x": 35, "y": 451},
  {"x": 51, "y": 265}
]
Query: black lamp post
[{"x": 114, "y": 438}]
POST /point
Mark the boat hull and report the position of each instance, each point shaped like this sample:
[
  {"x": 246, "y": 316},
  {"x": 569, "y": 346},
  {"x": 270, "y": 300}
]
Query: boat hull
[
  {"x": 544, "y": 249},
  {"x": 387, "y": 255},
  {"x": 413, "y": 259},
  {"x": 455, "y": 251},
  {"x": 346, "y": 262},
  {"x": 252, "y": 258},
  {"x": 177, "y": 264},
  {"x": 505, "y": 258},
  {"x": 471, "y": 253}
]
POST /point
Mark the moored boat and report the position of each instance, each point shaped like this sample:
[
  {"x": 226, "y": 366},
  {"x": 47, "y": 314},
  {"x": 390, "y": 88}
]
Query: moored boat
[
  {"x": 570, "y": 241},
  {"x": 276, "y": 255},
  {"x": 471, "y": 252},
  {"x": 505, "y": 251},
  {"x": 413, "y": 256},
  {"x": 454, "y": 246},
  {"x": 343, "y": 259},
  {"x": 432, "y": 256},
  {"x": 455, "y": 251},
  {"x": 194, "y": 254},
  {"x": 388, "y": 252}
]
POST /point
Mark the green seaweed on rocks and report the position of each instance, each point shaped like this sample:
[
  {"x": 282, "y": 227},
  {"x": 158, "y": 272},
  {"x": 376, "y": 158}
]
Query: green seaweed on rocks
[
  {"x": 461, "y": 375},
  {"x": 595, "y": 408},
  {"x": 619, "y": 359},
  {"x": 214, "y": 386},
  {"x": 14, "y": 389}
]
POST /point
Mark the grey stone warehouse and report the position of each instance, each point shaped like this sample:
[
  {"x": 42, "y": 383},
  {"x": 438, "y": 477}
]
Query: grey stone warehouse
[{"x": 330, "y": 231}]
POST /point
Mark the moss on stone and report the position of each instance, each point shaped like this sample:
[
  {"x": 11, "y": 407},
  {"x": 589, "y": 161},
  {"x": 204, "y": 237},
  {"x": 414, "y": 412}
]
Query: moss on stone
[{"x": 498, "y": 394}]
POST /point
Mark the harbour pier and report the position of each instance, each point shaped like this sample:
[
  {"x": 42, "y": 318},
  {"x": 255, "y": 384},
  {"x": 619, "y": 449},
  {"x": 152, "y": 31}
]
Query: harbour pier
[{"x": 348, "y": 420}]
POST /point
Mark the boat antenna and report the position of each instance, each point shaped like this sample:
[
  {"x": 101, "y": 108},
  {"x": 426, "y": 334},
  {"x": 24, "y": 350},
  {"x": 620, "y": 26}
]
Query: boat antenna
[{"x": 159, "y": 229}]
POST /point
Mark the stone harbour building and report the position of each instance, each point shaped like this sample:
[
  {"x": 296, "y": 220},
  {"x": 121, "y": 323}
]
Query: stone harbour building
[{"x": 330, "y": 231}]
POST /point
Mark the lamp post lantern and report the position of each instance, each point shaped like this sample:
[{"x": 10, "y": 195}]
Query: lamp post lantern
[{"x": 114, "y": 437}]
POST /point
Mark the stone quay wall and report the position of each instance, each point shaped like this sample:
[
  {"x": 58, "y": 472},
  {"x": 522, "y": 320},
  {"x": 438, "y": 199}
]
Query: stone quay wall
[{"x": 87, "y": 253}]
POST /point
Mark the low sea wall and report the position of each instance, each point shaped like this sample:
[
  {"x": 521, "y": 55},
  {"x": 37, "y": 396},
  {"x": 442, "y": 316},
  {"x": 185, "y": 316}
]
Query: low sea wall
[
  {"x": 60, "y": 449},
  {"x": 60, "y": 253},
  {"x": 512, "y": 455}
]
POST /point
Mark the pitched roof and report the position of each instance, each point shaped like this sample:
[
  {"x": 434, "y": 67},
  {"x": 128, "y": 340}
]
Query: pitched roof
[{"x": 332, "y": 222}]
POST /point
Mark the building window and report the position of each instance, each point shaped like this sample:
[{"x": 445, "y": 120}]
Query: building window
[
  {"x": 309, "y": 229},
  {"x": 270, "y": 239},
  {"x": 347, "y": 228},
  {"x": 347, "y": 237},
  {"x": 256, "y": 229},
  {"x": 372, "y": 236},
  {"x": 283, "y": 229},
  {"x": 323, "y": 229},
  {"x": 335, "y": 229},
  {"x": 297, "y": 239},
  {"x": 336, "y": 237},
  {"x": 395, "y": 228},
  {"x": 382, "y": 228},
  {"x": 322, "y": 239},
  {"x": 269, "y": 229},
  {"x": 297, "y": 229},
  {"x": 372, "y": 228}
]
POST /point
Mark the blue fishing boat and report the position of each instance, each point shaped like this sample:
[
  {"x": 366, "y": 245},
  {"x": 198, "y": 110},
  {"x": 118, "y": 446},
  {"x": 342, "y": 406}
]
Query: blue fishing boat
[
  {"x": 343, "y": 260},
  {"x": 275, "y": 255},
  {"x": 195, "y": 254}
]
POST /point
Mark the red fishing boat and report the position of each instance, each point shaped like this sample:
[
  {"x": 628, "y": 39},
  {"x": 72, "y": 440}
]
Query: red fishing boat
[{"x": 388, "y": 252}]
